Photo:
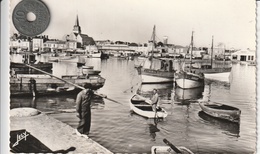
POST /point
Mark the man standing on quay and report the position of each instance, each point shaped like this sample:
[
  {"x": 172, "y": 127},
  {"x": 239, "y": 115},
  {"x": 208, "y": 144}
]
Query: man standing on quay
[{"x": 83, "y": 107}]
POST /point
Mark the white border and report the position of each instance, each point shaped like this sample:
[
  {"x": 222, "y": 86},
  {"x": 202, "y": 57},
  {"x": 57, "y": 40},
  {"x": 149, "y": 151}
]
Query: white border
[
  {"x": 4, "y": 54},
  {"x": 4, "y": 74}
]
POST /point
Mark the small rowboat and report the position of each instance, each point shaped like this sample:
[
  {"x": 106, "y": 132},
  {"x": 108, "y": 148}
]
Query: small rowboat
[
  {"x": 93, "y": 72},
  {"x": 170, "y": 149},
  {"x": 88, "y": 67},
  {"x": 143, "y": 107},
  {"x": 222, "y": 111}
]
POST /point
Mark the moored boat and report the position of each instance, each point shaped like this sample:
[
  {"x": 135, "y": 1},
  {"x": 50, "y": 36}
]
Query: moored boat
[
  {"x": 41, "y": 85},
  {"x": 188, "y": 80},
  {"x": 143, "y": 107},
  {"x": 38, "y": 65},
  {"x": 185, "y": 79},
  {"x": 95, "y": 54},
  {"x": 209, "y": 70},
  {"x": 169, "y": 150},
  {"x": 162, "y": 73},
  {"x": 222, "y": 111}
]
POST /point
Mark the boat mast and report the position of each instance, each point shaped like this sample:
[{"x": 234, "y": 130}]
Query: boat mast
[
  {"x": 153, "y": 37},
  {"x": 211, "y": 60},
  {"x": 224, "y": 59},
  {"x": 191, "y": 50}
]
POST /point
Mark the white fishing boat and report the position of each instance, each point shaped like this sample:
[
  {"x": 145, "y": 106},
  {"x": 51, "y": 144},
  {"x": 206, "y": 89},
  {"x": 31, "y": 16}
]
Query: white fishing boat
[
  {"x": 161, "y": 71},
  {"x": 209, "y": 71},
  {"x": 95, "y": 54},
  {"x": 185, "y": 79},
  {"x": 188, "y": 80},
  {"x": 143, "y": 107}
]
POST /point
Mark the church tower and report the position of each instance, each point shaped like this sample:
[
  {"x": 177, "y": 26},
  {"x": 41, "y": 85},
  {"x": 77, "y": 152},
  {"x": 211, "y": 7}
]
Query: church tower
[{"x": 76, "y": 28}]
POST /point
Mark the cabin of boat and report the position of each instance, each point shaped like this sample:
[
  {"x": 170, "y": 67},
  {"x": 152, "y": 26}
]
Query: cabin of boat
[{"x": 160, "y": 71}]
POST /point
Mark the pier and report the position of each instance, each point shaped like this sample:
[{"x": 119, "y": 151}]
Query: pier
[{"x": 53, "y": 133}]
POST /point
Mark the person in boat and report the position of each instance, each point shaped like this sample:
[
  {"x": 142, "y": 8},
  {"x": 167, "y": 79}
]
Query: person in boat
[
  {"x": 155, "y": 100},
  {"x": 83, "y": 108}
]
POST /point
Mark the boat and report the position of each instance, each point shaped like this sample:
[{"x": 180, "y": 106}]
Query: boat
[
  {"x": 29, "y": 85},
  {"x": 94, "y": 54},
  {"x": 39, "y": 65},
  {"x": 188, "y": 80},
  {"x": 252, "y": 63},
  {"x": 221, "y": 111},
  {"x": 57, "y": 58},
  {"x": 159, "y": 70},
  {"x": 20, "y": 68},
  {"x": 143, "y": 107},
  {"x": 89, "y": 70},
  {"x": 208, "y": 70},
  {"x": 87, "y": 67},
  {"x": 170, "y": 149},
  {"x": 74, "y": 59},
  {"x": 185, "y": 79}
]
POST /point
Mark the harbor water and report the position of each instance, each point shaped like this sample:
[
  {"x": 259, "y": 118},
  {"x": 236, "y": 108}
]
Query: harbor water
[{"x": 118, "y": 129}]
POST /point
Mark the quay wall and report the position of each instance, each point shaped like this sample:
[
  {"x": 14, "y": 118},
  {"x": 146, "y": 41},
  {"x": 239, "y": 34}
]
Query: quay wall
[{"x": 53, "y": 133}]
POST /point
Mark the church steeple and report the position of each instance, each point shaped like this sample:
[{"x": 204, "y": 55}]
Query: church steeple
[{"x": 77, "y": 28}]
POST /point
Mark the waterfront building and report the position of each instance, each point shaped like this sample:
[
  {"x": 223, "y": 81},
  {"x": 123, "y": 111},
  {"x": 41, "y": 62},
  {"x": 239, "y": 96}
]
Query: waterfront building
[
  {"x": 19, "y": 43},
  {"x": 244, "y": 56},
  {"x": 50, "y": 46},
  {"x": 38, "y": 42}
]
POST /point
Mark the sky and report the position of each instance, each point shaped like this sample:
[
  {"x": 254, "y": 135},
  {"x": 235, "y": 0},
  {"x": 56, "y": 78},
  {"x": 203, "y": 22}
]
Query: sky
[{"x": 232, "y": 22}]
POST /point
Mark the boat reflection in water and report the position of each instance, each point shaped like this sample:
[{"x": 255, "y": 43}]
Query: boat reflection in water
[
  {"x": 151, "y": 124},
  {"x": 164, "y": 90},
  {"x": 229, "y": 128},
  {"x": 186, "y": 96}
]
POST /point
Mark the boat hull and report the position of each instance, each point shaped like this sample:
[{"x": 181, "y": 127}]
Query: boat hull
[
  {"x": 40, "y": 65},
  {"x": 168, "y": 149},
  {"x": 144, "y": 108},
  {"x": 221, "y": 111},
  {"x": 146, "y": 79},
  {"x": 212, "y": 70},
  {"x": 187, "y": 83},
  {"x": 189, "y": 80},
  {"x": 95, "y": 55},
  {"x": 45, "y": 85},
  {"x": 156, "y": 76},
  {"x": 224, "y": 77}
]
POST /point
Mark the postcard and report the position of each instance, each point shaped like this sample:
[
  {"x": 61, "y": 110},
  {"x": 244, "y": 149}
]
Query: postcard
[{"x": 132, "y": 76}]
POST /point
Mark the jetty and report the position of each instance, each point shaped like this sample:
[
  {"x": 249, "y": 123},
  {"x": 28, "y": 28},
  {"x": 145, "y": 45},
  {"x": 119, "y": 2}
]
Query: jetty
[{"x": 50, "y": 132}]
